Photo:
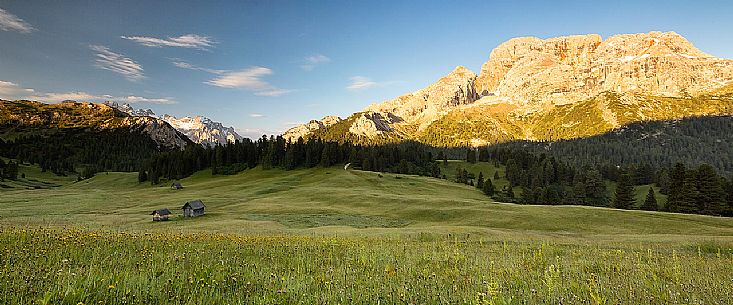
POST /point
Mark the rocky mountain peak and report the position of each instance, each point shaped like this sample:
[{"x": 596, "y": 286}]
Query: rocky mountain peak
[
  {"x": 529, "y": 80},
  {"x": 199, "y": 129},
  {"x": 561, "y": 70}
]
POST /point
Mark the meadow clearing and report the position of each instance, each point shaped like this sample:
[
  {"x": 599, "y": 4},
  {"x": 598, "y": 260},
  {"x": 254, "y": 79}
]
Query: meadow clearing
[{"x": 328, "y": 235}]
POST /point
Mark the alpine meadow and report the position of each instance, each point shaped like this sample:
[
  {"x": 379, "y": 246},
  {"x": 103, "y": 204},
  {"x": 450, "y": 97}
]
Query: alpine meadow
[{"x": 165, "y": 152}]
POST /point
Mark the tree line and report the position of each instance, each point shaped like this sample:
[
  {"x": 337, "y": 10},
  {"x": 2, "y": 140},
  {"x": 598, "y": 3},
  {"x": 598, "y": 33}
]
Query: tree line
[
  {"x": 276, "y": 152},
  {"x": 546, "y": 180}
]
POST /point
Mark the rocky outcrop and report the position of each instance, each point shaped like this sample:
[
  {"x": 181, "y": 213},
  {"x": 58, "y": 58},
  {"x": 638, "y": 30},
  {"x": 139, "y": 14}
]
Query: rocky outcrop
[
  {"x": 304, "y": 130},
  {"x": 422, "y": 107},
  {"x": 373, "y": 124}
]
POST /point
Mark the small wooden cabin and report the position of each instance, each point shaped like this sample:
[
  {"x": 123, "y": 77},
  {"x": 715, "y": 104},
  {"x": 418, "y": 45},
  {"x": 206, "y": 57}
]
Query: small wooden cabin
[
  {"x": 176, "y": 186},
  {"x": 193, "y": 208},
  {"x": 161, "y": 215}
]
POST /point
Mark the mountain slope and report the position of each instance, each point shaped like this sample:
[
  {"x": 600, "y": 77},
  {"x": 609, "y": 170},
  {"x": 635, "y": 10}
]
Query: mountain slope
[
  {"x": 558, "y": 88},
  {"x": 19, "y": 118},
  {"x": 692, "y": 141}
]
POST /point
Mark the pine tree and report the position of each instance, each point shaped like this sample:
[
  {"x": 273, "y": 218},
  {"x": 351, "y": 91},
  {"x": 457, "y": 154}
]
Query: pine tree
[
  {"x": 650, "y": 203},
  {"x": 595, "y": 189},
  {"x": 142, "y": 176},
  {"x": 496, "y": 175},
  {"x": 480, "y": 180},
  {"x": 471, "y": 155},
  {"x": 11, "y": 170},
  {"x": 690, "y": 194},
  {"x": 729, "y": 196},
  {"x": 510, "y": 191},
  {"x": 677, "y": 177},
  {"x": 624, "y": 196},
  {"x": 711, "y": 196},
  {"x": 154, "y": 177},
  {"x": 488, "y": 188}
]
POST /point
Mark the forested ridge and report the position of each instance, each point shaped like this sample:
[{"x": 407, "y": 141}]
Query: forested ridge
[{"x": 684, "y": 159}]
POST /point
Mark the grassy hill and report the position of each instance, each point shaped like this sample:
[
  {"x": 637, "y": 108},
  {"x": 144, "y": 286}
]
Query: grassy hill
[
  {"x": 329, "y": 235},
  {"x": 334, "y": 200}
]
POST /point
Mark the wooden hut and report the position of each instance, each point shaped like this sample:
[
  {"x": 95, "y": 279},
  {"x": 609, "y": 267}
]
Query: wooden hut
[
  {"x": 161, "y": 215},
  {"x": 176, "y": 186},
  {"x": 193, "y": 208}
]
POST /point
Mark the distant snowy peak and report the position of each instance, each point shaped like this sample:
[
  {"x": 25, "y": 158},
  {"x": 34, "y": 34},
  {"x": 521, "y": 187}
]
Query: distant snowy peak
[
  {"x": 203, "y": 130},
  {"x": 126, "y": 108},
  {"x": 199, "y": 129}
]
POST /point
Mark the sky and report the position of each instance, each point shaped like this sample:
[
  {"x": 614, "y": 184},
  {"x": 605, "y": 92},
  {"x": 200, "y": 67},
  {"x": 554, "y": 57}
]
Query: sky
[{"x": 264, "y": 66}]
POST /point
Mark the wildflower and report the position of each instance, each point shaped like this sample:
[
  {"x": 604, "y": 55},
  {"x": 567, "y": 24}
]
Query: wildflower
[{"x": 111, "y": 286}]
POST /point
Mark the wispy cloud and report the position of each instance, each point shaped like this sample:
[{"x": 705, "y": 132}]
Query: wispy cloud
[
  {"x": 256, "y": 133},
  {"x": 191, "y": 41},
  {"x": 248, "y": 79},
  {"x": 118, "y": 63},
  {"x": 311, "y": 62},
  {"x": 56, "y": 97},
  {"x": 359, "y": 83},
  {"x": 186, "y": 65},
  {"x": 10, "y": 22},
  {"x": 10, "y": 90},
  {"x": 256, "y": 115}
]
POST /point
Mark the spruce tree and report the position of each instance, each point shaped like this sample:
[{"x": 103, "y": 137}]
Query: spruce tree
[
  {"x": 624, "y": 196},
  {"x": 650, "y": 203},
  {"x": 510, "y": 191},
  {"x": 488, "y": 188},
  {"x": 677, "y": 177},
  {"x": 496, "y": 175},
  {"x": 142, "y": 176},
  {"x": 690, "y": 194},
  {"x": 480, "y": 180},
  {"x": 471, "y": 155},
  {"x": 711, "y": 196},
  {"x": 11, "y": 171},
  {"x": 729, "y": 190}
]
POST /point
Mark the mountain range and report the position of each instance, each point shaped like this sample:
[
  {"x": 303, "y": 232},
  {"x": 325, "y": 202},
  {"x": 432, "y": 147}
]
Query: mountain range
[
  {"x": 547, "y": 89},
  {"x": 199, "y": 129}
]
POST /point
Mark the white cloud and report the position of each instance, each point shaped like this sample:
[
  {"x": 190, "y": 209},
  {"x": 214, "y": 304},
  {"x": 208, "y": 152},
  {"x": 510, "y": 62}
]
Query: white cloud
[
  {"x": 118, "y": 63},
  {"x": 80, "y": 96},
  {"x": 256, "y": 115},
  {"x": 256, "y": 133},
  {"x": 312, "y": 61},
  {"x": 191, "y": 41},
  {"x": 10, "y": 90},
  {"x": 10, "y": 22},
  {"x": 248, "y": 79},
  {"x": 185, "y": 65},
  {"x": 359, "y": 83}
]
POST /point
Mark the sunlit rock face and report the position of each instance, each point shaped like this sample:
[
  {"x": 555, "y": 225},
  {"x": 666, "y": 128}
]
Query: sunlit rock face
[
  {"x": 561, "y": 70},
  {"x": 548, "y": 89}
]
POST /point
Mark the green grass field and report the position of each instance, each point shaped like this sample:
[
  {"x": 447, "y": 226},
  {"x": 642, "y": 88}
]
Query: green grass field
[{"x": 344, "y": 236}]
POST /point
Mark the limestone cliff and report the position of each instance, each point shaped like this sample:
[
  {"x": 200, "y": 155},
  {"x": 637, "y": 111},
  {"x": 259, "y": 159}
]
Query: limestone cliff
[{"x": 549, "y": 89}]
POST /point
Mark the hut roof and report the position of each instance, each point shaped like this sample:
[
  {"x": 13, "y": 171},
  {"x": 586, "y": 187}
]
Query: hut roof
[
  {"x": 161, "y": 212},
  {"x": 196, "y": 204}
]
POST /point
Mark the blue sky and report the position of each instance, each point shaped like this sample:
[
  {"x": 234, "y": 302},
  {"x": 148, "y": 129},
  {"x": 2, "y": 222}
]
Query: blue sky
[{"x": 262, "y": 66}]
